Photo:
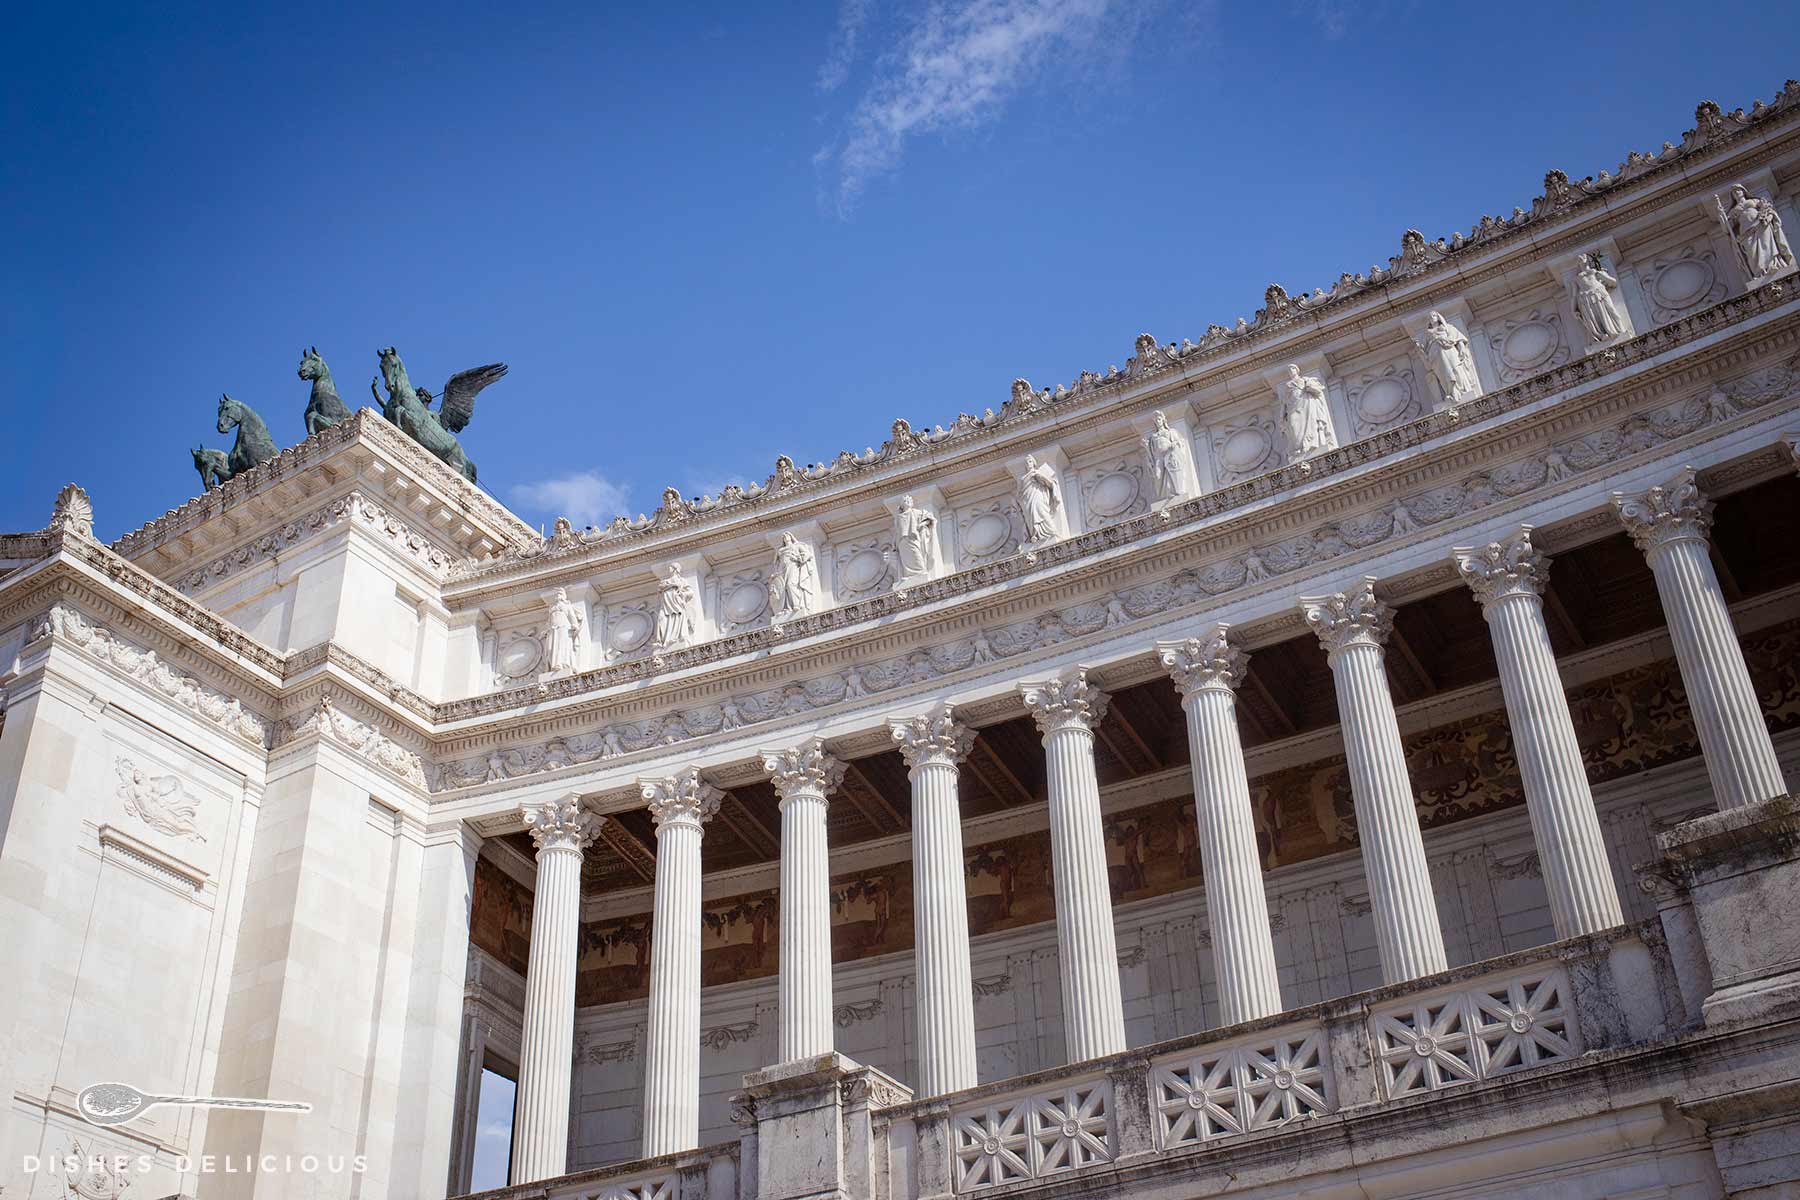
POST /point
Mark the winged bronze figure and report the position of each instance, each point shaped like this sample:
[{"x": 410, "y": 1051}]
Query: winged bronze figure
[{"x": 410, "y": 407}]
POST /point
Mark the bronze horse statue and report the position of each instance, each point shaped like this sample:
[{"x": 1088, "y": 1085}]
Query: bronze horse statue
[
  {"x": 323, "y": 407},
  {"x": 253, "y": 445},
  {"x": 409, "y": 407},
  {"x": 213, "y": 466}
]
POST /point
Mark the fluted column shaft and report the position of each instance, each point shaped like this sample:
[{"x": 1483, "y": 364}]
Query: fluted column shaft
[
  {"x": 1066, "y": 711},
  {"x": 1508, "y": 579},
  {"x": 804, "y": 777},
  {"x": 540, "y": 1146},
  {"x": 1207, "y": 671},
  {"x": 681, "y": 804},
  {"x": 1353, "y": 627},
  {"x": 933, "y": 746},
  {"x": 1670, "y": 525}
]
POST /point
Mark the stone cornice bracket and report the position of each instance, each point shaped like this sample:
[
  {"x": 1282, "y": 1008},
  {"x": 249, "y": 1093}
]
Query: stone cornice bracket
[
  {"x": 1205, "y": 663},
  {"x": 805, "y": 772},
  {"x": 936, "y": 739},
  {"x": 1066, "y": 702},
  {"x": 681, "y": 799},
  {"x": 1504, "y": 569},
  {"x": 1348, "y": 619},
  {"x": 1671, "y": 512},
  {"x": 561, "y": 824}
]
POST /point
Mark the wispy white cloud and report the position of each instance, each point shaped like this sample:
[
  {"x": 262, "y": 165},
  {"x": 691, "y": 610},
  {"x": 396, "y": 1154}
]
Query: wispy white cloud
[
  {"x": 840, "y": 52},
  {"x": 954, "y": 65},
  {"x": 585, "y": 497}
]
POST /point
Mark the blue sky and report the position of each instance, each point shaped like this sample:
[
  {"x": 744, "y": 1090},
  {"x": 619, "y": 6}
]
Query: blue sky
[{"x": 704, "y": 235}]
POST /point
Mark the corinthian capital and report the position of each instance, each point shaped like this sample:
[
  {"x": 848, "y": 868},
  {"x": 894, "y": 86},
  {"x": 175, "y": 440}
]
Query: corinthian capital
[
  {"x": 1503, "y": 569},
  {"x": 1672, "y": 512},
  {"x": 681, "y": 799},
  {"x": 1209, "y": 661},
  {"x": 1352, "y": 618},
  {"x": 1067, "y": 702},
  {"x": 804, "y": 770},
  {"x": 935, "y": 739},
  {"x": 561, "y": 824}
]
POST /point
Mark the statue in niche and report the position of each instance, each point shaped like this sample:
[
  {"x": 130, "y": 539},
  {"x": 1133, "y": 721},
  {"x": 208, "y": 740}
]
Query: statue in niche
[
  {"x": 1755, "y": 229},
  {"x": 1169, "y": 470},
  {"x": 564, "y": 638},
  {"x": 1594, "y": 303},
  {"x": 794, "y": 581},
  {"x": 676, "y": 621},
  {"x": 915, "y": 537},
  {"x": 1306, "y": 416},
  {"x": 1039, "y": 499},
  {"x": 1446, "y": 351}
]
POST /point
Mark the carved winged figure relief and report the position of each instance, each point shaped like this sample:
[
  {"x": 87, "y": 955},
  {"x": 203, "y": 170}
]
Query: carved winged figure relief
[{"x": 410, "y": 407}]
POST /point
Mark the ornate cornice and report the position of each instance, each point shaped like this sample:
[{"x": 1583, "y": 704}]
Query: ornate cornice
[
  {"x": 1068, "y": 701},
  {"x": 1345, "y": 620},
  {"x": 352, "y": 507},
  {"x": 332, "y": 724},
  {"x": 1208, "y": 662},
  {"x": 1420, "y": 260},
  {"x": 1665, "y": 514},
  {"x": 1504, "y": 569},
  {"x": 936, "y": 739}
]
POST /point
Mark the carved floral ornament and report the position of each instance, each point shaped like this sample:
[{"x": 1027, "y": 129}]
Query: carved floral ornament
[
  {"x": 1209, "y": 662},
  {"x": 803, "y": 772},
  {"x": 1665, "y": 514},
  {"x": 1504, "y": 569},
  {"x": 1068, "y": 701},
  {"x": 681, "y": 799},
  {"x": 1417, "y": 256},
  {"x": 1632, "y": 435},
  {"x": 561, "y": 824},
  {"x": 1346, "y": 620},
  {"x": 936, "y": 739}
]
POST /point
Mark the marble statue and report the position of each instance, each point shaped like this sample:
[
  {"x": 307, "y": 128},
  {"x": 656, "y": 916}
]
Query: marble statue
[
  {"x": 323, "y": 406},
  {"x": 676, "y": 620},
  {"x": 410, "y": 408},
  {"x": 1755, "y": 229},
  {"x": 1170, "y": 474},
  {"x": 564, "y": 639},
  {"x": 254, "y": 443},
  {"x": 915, "y": 538},
  {"x": 794, "y": 582},
  {"x": 1306, "y": 416},
  {"x": 1594, "y": 302},
  {"x": 1446, "y": 351},
  {"x": 1039, "y": 500}
]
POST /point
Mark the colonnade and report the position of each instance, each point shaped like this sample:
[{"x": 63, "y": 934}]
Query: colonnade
[{"x": 1507, "y": 578}]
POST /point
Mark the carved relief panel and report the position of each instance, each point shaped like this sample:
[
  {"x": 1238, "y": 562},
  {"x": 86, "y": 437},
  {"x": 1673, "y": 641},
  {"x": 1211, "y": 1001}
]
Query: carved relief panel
[
  {"x": 1244, "y": 446},
  {"x": 629, "y": 625},
  {"x": 987, "y": 531},
  {"x": 1682, "y": 279},
  {"x": 1114, "y": 490},
  {"x": 742, "y": 599},
  {"x": 1382, "y": 397},
  {"x": 1529, "y": 341},
  {"x": 864, "y": 567}
]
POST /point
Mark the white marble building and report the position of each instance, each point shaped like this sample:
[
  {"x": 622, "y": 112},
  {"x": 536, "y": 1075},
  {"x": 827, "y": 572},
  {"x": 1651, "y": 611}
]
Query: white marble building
[{"x": 1344, "y": 755}]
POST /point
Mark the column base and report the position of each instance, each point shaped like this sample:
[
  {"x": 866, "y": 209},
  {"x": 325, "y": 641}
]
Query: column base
[
  {"x": 815, "y": 1140},
  {"x": 1738, "y": 871}
]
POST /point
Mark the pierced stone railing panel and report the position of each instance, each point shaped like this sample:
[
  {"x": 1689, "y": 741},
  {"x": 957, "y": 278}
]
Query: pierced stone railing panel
[
  {"x": 1035, "y": 1135},
  {"x": 1484, "y": 1029},
  {"x": 1214, "y": 1092},
  {"x": 654, "y": 1187}
]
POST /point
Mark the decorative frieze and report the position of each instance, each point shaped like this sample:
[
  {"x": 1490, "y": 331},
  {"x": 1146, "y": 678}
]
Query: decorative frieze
[
  {"x": 66, "y": 623},
  {"x": 353, "y": 508},
  {"x": 333, "y": 724}
]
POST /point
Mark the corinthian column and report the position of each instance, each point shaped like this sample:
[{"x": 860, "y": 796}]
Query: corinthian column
[
  {"x": 1066, "y": 710},
  {"x": 681, "y": 805},
  {"x": 1670, "y": 525},
  {"x": 933, "y": 746},
  {"x": 804, "y": 777},
  {"x": 1207, "y": 671},
  {"x": 1508, "y": 579},
  {"x": 562, "y": 829},
  {"x": 1353, "y": 627}
]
